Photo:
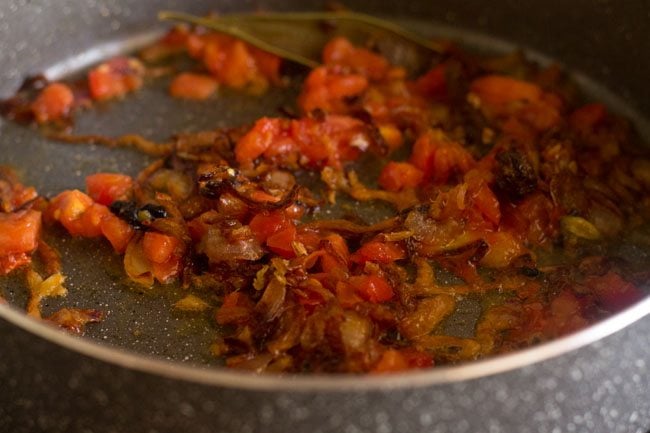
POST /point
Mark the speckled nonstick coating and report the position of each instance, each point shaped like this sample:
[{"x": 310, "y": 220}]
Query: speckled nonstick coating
[{"x": 54, "y": 383}]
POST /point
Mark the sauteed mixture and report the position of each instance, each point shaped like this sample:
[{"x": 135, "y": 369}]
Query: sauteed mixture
[{"x": 491, "y": 178}]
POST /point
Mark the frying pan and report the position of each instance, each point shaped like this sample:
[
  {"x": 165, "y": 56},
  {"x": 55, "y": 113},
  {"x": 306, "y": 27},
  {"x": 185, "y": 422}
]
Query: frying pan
[{"x": 156, "y": 380}]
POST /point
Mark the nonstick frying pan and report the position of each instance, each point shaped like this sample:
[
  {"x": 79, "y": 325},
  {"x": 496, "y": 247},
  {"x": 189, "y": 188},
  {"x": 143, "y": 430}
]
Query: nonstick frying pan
[{"x": 159, "y": 381}]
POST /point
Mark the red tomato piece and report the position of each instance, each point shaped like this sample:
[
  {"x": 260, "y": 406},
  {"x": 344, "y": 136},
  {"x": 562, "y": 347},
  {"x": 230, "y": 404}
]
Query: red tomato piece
[
  {"x": 167, "y": 270},
  {"x": 115, "y": 78},
  {"x": 372, "y": 288},
  {"x": 253, "y": 145},
  {"x": 89, "y": 224},
  {"x": 339, "y": 51},
  {"x": 586, "y": 118},
  {"x": 281, "y": 242},
  {"x": 379, "y": 252},
  {"x": 439, "y": 157},
  {"x": 53, "y": 103},
  {"x": 433, "y": 84},
  {"x": 236, "y": 308},
  {"x": 391, "y": 361},
  {"x": 118, "y": 232},
  {"x": 13, "y": 261},
  {"x": 497, "y": 91},
  {"x": 486, "y": 202},
  {"x": 67, "y": 208},
  {"x": 326, "y": 89},
  {"x": 193, "y": 86},
  {"x": 105, "y": 188},
  {"x": 266, "y": 224},
  {"x": 396, "y": 176},
  {"x": 613, "y": 292},
  {"x": 19, "y": 232},
  {"x": 159, "y": 247}
]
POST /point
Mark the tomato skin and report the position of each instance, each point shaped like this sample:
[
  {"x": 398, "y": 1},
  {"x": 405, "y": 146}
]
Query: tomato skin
[
  {"x": 105, "y": 188},
  {"x": 193, "y": 86},
  {"x": 396, "y": 176},
  {"x": 159, "y": 247},
  {"x": 53, "y": 103},
  {"x": 379, "y": 252},
  {"x": 372, "y": 288},
  {"x": 19, "y": 232}
]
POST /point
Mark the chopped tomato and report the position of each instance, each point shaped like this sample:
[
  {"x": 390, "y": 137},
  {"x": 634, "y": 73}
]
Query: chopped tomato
[
  {"x": 167, "y": 270},
  {"x": 433, "y": 84},
  {"x": 90, "y": 222},
  {"x": 347, "y": 294},
  {"x": 335, "y": 253},
  {"x": 586, "y": 118},
  {"x": 115, "y": 78},
  {"x": 159, "y": 247},
  {"x": 379, "y": 252},
  {"x": 339, "y": 51},
  {"x": 281, "y": 242},
  {"x": 253, "y": 145},
  {"x": 266, "y": 224},
  {"x": 312, "y": 142},
  {"x": 439, "y": 157},
  {"x": 503, "y": 249},
  {"x": 193, "y": 86},
  {"x": 268, "y": 64},
  {"x": 327, "y": 89},
  {"x": 19, "y": 232},
  {"x": 486, "y": 202},
  {"x": 614, "y": 292},
  {"x": 234, "y": 62},
  {"x": 67, "y": 208},
  {"x": 392, "y": 136},
  {"x": 498, "y": 91},
  {"x": 399, "y": 175},
  {"x": 391, "y": 361},
  {"x": 13, "y": 261},
  {"x": 118, "y": 232},
  {"x": 53, "y": 103},
  {"x": 236, "y": 308},
  {"x": 501, "y": 96},
  {"x": 105, "y": 188},
  {"x": 372, "y": 288}
]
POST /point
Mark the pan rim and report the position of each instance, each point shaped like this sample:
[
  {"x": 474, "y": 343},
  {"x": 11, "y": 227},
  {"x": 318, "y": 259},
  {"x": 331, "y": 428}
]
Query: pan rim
[{"x": 227, "y": 378}]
